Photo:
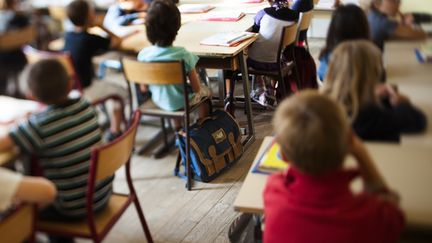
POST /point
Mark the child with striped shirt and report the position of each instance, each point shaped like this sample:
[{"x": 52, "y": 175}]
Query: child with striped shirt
[{"x": 60, "y": 137}]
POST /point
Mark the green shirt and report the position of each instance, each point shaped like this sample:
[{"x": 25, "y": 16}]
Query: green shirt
[{"x": 168, "y": 97}]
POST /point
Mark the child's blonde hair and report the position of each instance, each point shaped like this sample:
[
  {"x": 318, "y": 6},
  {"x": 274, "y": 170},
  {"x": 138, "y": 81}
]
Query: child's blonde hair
[
  {"x": 354, "y": 70},
  {"x": 6, "y": 4},
  {"x": 313, "y": 132}
]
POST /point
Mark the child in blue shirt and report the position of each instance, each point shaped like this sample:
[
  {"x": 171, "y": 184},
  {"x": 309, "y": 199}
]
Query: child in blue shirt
[
  {"x": 162, "y": 24},
  {"x": 125, "y": 12},
  {"x": 341, "y": 29}
]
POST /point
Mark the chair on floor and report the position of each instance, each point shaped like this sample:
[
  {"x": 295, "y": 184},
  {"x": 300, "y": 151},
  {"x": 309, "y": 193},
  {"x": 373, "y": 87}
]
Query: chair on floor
[
  {"x": 105, "y": 161},
  {"x": 17, "y": 225},
  {"x": 33, "y": 55},
  {"x": 286, "y": 45},
  {"x": 162, "y": 73}
]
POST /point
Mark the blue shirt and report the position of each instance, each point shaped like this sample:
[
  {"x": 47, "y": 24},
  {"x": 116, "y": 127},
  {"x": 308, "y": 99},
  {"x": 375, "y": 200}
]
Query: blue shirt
[
  {"x": 323, "y": 66},
  {"x": 302, "y": 5},
  {"x": 382, "y": 28},
  {"x": 168, "y": 97}
]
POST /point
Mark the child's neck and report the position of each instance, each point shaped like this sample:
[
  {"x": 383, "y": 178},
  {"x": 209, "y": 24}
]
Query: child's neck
[{"x": 80, "y": 28}]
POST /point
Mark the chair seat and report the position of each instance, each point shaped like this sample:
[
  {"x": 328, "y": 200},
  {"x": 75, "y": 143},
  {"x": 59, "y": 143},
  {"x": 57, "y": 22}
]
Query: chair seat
[
  {"x": 149, "y": 108},
  {"x": 17, "y": 226},
  {"x": 286, "y": 68},
  {"x": 104, "y": 219}
]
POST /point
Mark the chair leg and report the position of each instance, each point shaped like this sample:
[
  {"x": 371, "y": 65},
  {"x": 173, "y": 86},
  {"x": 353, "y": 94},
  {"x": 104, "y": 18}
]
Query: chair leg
[
  {"x": 177, "y": 165},
  {"x": 143, "y": 221}
]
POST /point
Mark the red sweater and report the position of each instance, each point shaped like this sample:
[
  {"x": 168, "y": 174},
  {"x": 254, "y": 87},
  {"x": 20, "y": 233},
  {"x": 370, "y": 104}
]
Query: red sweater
[{"x": 302, "y": 208}]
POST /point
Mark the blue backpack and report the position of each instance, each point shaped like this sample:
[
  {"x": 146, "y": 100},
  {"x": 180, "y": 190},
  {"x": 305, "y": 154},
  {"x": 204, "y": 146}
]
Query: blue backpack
[{"x": 215, "y": 145}]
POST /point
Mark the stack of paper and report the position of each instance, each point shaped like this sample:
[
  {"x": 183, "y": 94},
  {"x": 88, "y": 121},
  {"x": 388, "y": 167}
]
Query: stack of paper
[
  {"x": 195, "y": 8},
  {"x": 227, "y": 38},
  {"x": 271, "y": 160},
  {"x": 231, "y": 16}
]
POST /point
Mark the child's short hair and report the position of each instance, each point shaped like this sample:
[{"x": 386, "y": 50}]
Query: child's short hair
[
  {"x": 313, "y": 132},
  {"x": 48, "y": 81},
  {"x": 78, "y": 12},
  {"x": 162, "y": 22}
]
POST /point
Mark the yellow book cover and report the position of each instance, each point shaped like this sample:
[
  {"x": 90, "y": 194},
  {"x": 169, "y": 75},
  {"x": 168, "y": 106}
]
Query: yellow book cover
[{"x": 271, "y": 160}]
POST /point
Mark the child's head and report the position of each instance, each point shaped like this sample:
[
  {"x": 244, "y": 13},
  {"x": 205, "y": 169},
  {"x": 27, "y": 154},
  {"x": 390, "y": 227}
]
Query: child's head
[
  {"x": 354, "y": 70},
  {"x": 313, "y": 132},
  {"x": 348, "y": 22},
  {"x": 48, "y": 81},
  {"x": 389, "y": 7},
  {"x": 80, "y": 13},
  {"x": 162, "y": 22}
]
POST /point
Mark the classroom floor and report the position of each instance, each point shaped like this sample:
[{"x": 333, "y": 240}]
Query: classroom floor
[{"x": 201, "y": 215}]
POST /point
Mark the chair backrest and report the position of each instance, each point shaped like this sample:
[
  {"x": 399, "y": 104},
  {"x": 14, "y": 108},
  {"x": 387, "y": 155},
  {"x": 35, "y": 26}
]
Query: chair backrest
[
  {"x": 33, "y": 55},
  {"x": 108, "y": 158},
  {"x": 16, "y": 39},
  {"x": 17, "y": 226},
  {"x": 156, "y": 73},
  {"x": 289, "y": 34},
  {"x": 305, "y": 20}
]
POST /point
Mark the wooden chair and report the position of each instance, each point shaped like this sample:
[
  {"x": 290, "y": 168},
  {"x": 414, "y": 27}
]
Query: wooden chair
[
  {"x": 105, "y": 161},
  {"x": 18, "y": 225},
  {"x": 286, "y": 45},
  {"x": 303, "y": 26},
  {"x": 162, "y": 73},
  {"x": 33, "y": 55},
  {"x": 16, "y": 39}
]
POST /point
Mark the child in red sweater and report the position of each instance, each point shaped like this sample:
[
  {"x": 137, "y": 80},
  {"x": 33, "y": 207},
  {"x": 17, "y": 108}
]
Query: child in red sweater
[{"x": 312, "y": 201}]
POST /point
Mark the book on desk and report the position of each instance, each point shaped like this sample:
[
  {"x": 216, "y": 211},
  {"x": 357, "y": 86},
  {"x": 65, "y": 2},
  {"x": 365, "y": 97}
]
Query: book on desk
[
  {"x": 194, "y": 8},
  {"x": 227, "y": 39},
  {"x": 225, "y": 16},
  {"x": 271, "y": 160}
]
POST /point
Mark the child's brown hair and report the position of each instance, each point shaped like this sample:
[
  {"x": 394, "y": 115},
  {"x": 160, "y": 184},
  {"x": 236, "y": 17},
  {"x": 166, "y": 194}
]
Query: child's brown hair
[
  {"x": 313, "y": 132},
  {"x": 162, "y": 22},
  {"x": 78, "y": 12},
  {"x": 48, "y": 81}
]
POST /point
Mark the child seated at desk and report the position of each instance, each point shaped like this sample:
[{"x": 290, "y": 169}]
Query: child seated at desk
[
  {"x": 60, "y": 137},
  {"x": 12, "y": 62},
  {"x": 16, "y": 187},
  {"x": 341, "y": 29},
  {"x": 312, "y": 201},
  {"x": 377, "y": 111},
  {"x": 384, "y": 26},
  {"x": 83, "y": 46},
  {"x": 162, "y": 24}
]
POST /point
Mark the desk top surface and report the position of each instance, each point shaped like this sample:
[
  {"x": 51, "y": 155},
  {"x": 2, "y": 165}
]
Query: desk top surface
[
  {"x": 413, "y": 79},
  {"x": 406, "y": 169}
]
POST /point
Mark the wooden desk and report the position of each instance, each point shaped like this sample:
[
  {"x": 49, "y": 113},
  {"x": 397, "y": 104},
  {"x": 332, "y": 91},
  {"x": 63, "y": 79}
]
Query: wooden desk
[
  {"x": 413, "y": 79},
  {"x": 407, "y": 170}
]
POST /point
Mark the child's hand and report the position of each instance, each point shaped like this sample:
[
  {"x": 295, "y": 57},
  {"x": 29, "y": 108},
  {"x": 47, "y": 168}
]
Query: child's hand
[
  {"x": 395, "y": 97},
  {"x": 408, "y": 19},
  {"x": 143, "y": 88}
]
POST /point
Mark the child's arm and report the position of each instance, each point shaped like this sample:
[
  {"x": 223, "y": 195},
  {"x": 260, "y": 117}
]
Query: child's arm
[
  {"x": 6, "y": 143},
  {"x": 36, "y": 190},
  {"x": 115, "y": 39},
  {"x": 373, "y": 180},
  {"x": 194, "y": 81}
]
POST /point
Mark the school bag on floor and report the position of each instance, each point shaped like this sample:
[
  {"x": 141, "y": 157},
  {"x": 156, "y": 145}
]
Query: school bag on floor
[{"x": 215, "y": 145}]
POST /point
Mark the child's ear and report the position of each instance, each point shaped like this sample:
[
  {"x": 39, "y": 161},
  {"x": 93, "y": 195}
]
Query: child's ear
[
  {"x": 29, "y": 95},
  {"x": 71, "y": 84}
]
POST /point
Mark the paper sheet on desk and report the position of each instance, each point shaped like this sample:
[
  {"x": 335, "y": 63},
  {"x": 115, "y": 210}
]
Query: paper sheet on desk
[{"x": 13, "y": 109}]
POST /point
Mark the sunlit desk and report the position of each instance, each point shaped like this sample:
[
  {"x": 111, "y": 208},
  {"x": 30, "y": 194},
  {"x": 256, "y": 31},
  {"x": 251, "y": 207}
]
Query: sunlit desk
[
  {"x": 406, "y": 169},
  {"x": 413, "y": 79}
]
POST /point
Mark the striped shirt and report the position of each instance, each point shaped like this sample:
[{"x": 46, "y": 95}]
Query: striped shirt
[{"x": 61, "y": 138}]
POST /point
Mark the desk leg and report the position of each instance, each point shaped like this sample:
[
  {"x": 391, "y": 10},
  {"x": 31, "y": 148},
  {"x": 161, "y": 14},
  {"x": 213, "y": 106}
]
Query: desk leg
[{"x": 245, "y": 79}]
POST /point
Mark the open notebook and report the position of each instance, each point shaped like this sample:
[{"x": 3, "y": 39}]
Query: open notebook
[
  {"x": 271, "y": 160},
  {"x": 195, "y": 8},
  {"x": 230, "y": 16},
  {"x": 227, "y": 38}
]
